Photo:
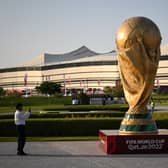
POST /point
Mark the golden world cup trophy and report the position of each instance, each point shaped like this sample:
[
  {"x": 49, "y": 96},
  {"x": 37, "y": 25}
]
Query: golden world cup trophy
[{"x": 138, "y": 43}]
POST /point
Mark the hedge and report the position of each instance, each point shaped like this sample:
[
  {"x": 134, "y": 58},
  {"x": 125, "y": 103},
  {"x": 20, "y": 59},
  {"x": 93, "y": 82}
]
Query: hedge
[
  {"x": 115, "y": 107},
  {"x": 69, "y": 115},
  {"x": 99, "y": 114},
  {"x": 67, "y": 127},
  {"x": 60, "y": 127},
  {"x": 62, "y": 107}
]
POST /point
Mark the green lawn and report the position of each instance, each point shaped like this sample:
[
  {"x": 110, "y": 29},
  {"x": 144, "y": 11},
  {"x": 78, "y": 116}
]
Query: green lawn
[
  {"x": 37, "y": 103},
  {"x": 59, "y": 107}
]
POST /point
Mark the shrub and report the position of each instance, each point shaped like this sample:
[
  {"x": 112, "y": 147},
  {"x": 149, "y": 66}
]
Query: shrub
[
  {"x": 69, "y": 115},
  {"x": 61, "y": 127},
  {"x": 116, "y": 107},
  {"x": 67, "y": 127}
]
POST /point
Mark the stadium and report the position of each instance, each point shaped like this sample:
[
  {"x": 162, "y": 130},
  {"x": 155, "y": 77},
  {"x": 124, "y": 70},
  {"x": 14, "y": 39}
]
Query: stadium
[{"x": 80, "y": 69}]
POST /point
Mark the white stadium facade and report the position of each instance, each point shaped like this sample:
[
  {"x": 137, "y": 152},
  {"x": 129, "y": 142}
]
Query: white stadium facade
[{"x": 79, "y": 69}]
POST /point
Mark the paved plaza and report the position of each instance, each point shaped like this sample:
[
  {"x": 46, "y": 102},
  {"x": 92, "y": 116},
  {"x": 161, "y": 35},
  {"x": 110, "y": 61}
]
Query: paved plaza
[{"x": 73, "y": 154}]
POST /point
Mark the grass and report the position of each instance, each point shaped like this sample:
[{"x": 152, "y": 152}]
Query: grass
[
  {"x": 37, "y": 103},
  {"x": 118, "y": 107},
  {"x": 33, "y": 107},
  {"x": 54, "y": 103},
  {"x": 160, "y": 99},
  {"x": 46, "y": 139}
]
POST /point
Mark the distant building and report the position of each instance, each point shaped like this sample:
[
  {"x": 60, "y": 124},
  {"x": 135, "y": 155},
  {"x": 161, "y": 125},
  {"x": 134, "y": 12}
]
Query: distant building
[{"x": 79, "y": 69}]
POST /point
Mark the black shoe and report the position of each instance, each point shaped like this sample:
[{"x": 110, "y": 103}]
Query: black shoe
[{"x": 21, "y": 153}]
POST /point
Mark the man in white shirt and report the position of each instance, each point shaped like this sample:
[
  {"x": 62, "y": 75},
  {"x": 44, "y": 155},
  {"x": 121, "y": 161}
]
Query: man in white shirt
[{"x": 20, "y": 122}]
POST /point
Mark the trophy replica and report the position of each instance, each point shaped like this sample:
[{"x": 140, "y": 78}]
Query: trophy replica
[{"x": 138, "y": 43}]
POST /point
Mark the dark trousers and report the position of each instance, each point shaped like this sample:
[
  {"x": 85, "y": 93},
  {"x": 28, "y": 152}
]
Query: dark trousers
[{"x": 21, "y": 137}]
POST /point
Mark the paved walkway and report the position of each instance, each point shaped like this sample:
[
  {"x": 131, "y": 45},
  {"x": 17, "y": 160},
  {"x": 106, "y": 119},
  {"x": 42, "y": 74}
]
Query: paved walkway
[
  {"x": 83, "y": 154},
  {"x": 161, "y": 109}
]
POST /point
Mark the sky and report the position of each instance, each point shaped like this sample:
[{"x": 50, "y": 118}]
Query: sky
[{"x": 29, "y": 28}]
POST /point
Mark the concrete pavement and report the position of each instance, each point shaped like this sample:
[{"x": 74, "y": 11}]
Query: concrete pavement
[
  {"x": 161, "y": 108},
  {"x": 73, "y": 154}
]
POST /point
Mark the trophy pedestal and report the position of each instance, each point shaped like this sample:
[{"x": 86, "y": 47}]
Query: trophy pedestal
[{"x": 112, "y": 143}]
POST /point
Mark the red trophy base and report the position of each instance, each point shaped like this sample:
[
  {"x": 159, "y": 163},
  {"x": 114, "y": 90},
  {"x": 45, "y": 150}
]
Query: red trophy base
[{"x": 113, "y": 143}]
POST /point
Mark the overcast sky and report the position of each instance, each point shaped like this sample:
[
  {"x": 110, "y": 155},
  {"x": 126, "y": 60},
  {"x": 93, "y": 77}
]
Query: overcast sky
[{"x": 29, "y": 28}]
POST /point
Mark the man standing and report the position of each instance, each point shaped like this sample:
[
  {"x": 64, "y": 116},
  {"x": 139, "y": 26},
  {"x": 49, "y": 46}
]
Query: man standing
[{"x": 20, "y": 118}]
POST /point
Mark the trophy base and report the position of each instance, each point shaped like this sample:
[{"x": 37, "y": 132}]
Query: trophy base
[
  {"x": 138, "y": 123},
  {"x": 111, "y": 142}
]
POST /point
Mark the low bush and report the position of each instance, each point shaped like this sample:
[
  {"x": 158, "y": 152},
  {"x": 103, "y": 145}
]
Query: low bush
[
  {"x": 61, "y": 127},
  {"x": 67, "y": 127},
  {"x": 96, "y": 114},
  {"x": 116, "y": 107},
  {"x": 162, "y": 123},
  {"x": 69, "y": 115}
]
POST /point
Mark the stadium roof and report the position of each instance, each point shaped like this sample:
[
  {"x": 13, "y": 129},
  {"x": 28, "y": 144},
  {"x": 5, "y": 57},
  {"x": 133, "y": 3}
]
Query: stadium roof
[
  {"x": 47, "y": 58},
  {"x": 82, "y": 54}
]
